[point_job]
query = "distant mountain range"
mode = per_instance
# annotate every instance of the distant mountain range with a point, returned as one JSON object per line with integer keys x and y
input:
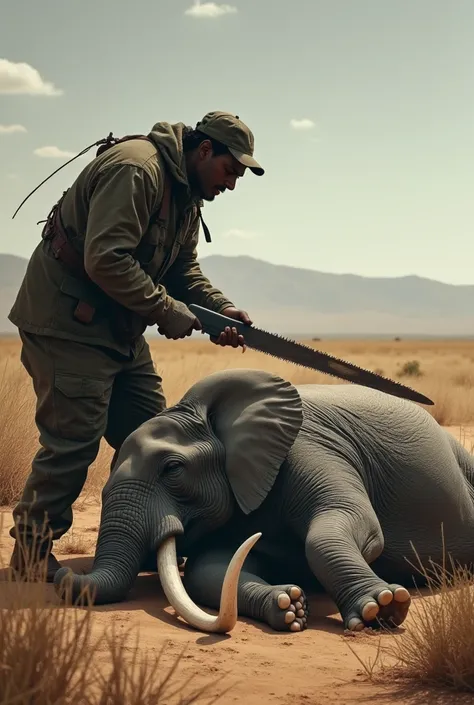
{"x": 305, "y": 302}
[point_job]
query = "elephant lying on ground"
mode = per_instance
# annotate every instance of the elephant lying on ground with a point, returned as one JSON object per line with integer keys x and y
{"x": 339, "y": 480}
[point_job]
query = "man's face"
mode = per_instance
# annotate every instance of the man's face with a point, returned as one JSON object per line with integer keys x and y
{"x": 213, "y": 175}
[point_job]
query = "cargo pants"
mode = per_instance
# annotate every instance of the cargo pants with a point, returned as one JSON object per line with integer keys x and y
{"x": 84, "y": 393}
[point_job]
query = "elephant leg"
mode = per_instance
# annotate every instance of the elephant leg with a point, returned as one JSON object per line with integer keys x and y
{"x": 282, "y": 607}
{"x": 339, "y": 546}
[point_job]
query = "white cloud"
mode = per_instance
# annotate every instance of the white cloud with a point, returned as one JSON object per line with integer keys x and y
{"x": 304, "y": 124}
{"x": 51, "y": 152}
{"x": 209, "y": 9}
{"x": 21, "y": 78}
{"x": 10, "y": 129}
{"x": 240, "y": 234}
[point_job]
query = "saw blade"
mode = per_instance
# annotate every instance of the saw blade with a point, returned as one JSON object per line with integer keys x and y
{"x": 283, "y": 348}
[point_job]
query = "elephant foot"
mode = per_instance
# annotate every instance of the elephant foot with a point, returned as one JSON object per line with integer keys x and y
{"x": 286, "y": 608}
{"x": 387, "y": 607}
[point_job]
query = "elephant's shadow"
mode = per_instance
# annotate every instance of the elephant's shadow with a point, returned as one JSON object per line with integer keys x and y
{"x": 147, "y": 595}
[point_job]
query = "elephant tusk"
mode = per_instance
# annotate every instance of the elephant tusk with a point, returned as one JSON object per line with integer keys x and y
{"x": 179, "y": 599}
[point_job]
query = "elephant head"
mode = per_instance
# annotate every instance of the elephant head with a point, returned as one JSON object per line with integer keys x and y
{"x": 183, "y": 474}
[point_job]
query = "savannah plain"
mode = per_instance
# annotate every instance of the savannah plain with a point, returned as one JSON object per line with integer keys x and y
{"x": 124, "y": 653}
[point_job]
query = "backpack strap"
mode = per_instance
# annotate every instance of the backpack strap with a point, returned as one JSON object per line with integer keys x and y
{"x": 111, "y": 141}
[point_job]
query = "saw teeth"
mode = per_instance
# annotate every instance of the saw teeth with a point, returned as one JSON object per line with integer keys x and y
{"x": 328, "y": 364}
{"x": 333, "y": 363}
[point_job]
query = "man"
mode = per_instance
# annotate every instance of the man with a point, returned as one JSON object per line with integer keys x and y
{"x": 118, "y": 254}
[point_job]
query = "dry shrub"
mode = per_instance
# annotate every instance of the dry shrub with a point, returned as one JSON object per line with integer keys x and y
{"x": 74, "y": 544}
{"x": 51, "y": 654}
{"x": 437, "y": 647}
{"x": 411, "y": 368}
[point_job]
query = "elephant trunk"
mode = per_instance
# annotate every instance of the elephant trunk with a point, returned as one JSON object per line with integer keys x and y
{"x": 122, "y": 545}
{"x": 116, "y": 564}
{"x": 181, "y": 602}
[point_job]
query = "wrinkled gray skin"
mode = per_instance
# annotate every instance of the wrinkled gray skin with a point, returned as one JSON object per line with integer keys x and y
{"x": 338, "y": 478}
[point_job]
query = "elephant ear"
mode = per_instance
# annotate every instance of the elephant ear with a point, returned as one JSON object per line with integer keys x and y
{"x": 257, "y": 416}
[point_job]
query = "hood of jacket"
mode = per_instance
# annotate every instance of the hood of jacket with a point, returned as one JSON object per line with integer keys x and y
{"x": 168, "y": 139}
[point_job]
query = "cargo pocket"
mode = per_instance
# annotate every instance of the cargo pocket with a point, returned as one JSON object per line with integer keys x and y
{"x": 81, "y": 406}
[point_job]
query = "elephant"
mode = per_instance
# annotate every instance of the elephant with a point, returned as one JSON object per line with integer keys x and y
{"x": 257, "y": 481}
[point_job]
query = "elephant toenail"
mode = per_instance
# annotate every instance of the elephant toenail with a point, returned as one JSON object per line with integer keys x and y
{"x": 283, "y": 601}
{"x": 401, "y": 594}
{"x": 385, "y": 597}
{"x": 370, "y": 611}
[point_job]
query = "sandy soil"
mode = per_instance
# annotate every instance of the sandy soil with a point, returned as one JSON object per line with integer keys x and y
{"x": 314, "y": 667}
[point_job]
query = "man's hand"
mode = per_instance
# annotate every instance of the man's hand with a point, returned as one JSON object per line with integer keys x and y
{"x": 229, "y": 336}
{"x": 176, "y": 336}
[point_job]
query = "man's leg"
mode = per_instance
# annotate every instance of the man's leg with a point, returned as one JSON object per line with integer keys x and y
{"x": 137, "y": 396}
{"x": 73, "y": 384}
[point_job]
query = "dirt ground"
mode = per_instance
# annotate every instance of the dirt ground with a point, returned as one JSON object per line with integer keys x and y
{"x": 314, "y": 667}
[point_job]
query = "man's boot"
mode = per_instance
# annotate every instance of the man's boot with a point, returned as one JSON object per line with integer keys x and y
{"x": 34, "y": 563}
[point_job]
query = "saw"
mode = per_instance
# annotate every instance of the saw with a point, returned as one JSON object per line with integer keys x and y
{"x": 214, "y": 323}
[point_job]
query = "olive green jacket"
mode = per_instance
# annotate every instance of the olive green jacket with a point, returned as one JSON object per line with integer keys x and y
{"x": 134, "y": 264}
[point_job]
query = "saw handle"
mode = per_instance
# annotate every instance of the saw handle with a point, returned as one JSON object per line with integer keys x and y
{"x": 215, "y": 323}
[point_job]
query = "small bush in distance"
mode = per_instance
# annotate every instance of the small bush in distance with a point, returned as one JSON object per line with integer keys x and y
{"x": 410, "y": 369}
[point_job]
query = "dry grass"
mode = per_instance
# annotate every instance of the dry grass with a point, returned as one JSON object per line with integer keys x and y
{"x": 437, "y": 646}
{"x": 52, "y": 654}
{"x": 74, "y": 544}
{"x": 47, "y": 651}
{"x": 446, "y": 369}
{"x": 18, "y": 434}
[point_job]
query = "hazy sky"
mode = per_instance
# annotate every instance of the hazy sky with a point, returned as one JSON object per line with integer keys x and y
{"x": 362, "y": 110}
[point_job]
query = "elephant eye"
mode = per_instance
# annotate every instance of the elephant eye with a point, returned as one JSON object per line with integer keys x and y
{"x": 172, "y": 466}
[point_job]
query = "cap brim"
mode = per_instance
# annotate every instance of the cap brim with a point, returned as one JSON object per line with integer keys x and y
{"x": 248, "y": 161}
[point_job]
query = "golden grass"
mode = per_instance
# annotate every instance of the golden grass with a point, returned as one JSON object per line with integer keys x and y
{"x": 51, "y": 653}
{"x": 447, "y": 376}
{"x": 18, "y": 434}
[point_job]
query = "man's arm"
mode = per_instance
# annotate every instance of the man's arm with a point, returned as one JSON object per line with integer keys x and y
{"x": 186, "y": 282}
{"x": 119, "y": 214}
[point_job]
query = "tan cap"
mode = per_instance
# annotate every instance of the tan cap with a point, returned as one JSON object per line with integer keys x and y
{"x": 231, "y": 131}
